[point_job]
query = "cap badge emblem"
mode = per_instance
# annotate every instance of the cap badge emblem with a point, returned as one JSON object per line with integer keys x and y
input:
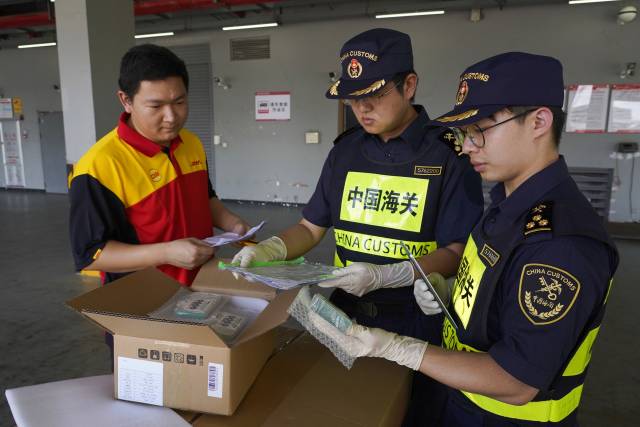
{"x": 463, "y": 90}
{"x": 354, "y": 69}
{"x": 333, "y": 90}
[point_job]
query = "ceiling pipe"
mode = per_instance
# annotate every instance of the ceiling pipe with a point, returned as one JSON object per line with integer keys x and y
{"x": 156, "y": 7}
{"x": 144, "y": 7}
{"x": 26, "y": 20}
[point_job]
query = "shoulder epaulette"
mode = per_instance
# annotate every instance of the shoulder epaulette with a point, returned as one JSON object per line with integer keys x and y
{"x": 345, "y": 133}
{"x": 449, "y": 139}
{"x": 539, "y": 218}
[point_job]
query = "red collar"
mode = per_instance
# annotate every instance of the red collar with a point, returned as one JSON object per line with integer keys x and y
{"x": 139, "y": 142}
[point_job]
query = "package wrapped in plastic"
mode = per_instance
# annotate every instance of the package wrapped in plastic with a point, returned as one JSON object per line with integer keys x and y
{"x": 227, "y": 315}
{"x": 300, "y": 309}
{"x": 330, "y": 313}
{"x": 284, "y": 274}
{"x": 198, "y": 305}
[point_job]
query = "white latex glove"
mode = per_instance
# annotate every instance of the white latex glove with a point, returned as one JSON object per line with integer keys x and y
{"x": 425, "y": 298}
{"x": 360, "y": 278}
{"x": 271, "y": 249}
{"x": 361, "y": 341}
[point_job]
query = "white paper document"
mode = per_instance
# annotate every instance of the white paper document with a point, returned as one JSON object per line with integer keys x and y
{"x": 140, "y": 380}
{"x": 226, "y": 238}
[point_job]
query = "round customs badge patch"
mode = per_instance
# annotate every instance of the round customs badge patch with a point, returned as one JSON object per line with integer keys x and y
{"x": 355, "y": 68}
{"x": 463, "y": 90}
{"x": 546, "y": 293}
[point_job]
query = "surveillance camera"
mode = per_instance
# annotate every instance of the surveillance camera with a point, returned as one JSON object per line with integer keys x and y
{"x": 629, "y": 70}
{"x": 220, "y": 82}
{"x": 627, "y": 14}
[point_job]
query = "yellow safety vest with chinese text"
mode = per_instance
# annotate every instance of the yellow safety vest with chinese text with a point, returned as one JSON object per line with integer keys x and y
{"x": 378, "y": 205}
{"x": 478, "y": 276}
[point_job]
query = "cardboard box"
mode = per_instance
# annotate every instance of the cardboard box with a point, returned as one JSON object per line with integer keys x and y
{"x": 304, "y": 385}
{"x": 180, "y": 364}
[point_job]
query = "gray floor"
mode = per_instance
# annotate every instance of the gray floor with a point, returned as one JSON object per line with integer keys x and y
{"x": 42, "y": 340}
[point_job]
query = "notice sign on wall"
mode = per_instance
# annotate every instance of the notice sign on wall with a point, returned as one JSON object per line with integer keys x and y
{"x": 11, "y": 139}
{"x": 624, "y": 112}
{"x": 273, "y": 106}
{"x": 587, "y": 108}
{"x": 6, "y": 108}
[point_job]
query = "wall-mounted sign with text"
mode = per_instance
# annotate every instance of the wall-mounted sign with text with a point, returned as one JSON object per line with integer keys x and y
{"x": 10, "y": 108}
{"x": 624, "y": 112}
{"x": 273, "y": 106}
{"x": 587, "y": 108}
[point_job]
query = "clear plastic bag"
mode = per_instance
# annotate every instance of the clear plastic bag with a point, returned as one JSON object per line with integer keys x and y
{"x": 300, "y": 308}
{"x": 286, "y": 276}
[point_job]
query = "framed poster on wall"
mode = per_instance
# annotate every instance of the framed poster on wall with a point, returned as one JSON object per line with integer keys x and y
{"x": 624, "y": 109}
{"x": 587, "y": 108}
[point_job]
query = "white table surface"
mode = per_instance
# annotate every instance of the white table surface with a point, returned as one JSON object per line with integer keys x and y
{"x": 84, "y": 402}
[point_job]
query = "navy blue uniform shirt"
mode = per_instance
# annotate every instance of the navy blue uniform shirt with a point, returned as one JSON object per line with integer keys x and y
{"x": 535, "y": 354}
{"x": 460, "y": 204}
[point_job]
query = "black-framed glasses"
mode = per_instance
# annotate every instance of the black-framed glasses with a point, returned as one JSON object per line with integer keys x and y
{"x": 476, "y": 134}
{"x": 374, "y": 99}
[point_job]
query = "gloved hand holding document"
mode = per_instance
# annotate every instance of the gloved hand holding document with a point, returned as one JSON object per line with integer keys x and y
{"x": 226, "y": 238}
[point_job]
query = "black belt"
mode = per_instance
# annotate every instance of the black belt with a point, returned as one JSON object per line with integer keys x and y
{"x": 354, "y": 306}
{"x": 375, "y": 309}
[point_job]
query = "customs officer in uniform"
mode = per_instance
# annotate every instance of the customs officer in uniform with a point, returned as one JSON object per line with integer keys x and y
{"x": 393, "y": 179}
{"x": 532, "y": 286}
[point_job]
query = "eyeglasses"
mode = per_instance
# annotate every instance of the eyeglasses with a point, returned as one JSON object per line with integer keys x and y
{"x": 476, "y": 134}
{"x": 373, "y": 99}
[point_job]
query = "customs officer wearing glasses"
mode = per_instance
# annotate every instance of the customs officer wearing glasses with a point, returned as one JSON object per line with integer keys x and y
{"x": 531, "y": 289}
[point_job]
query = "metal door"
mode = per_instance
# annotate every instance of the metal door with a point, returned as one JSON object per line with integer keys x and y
{"x": 197, "y": 58}
{"x": 54, "y": 159}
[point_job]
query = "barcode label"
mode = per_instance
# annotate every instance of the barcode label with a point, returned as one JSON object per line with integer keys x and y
{"x": 215, "y": 376}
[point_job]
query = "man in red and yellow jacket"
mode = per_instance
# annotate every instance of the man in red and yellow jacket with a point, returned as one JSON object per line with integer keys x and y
{"x": 141, "y": 196}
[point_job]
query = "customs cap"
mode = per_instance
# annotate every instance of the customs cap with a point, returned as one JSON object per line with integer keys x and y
{"x": 506, "y": 80}
{"x": 369, "y": 61}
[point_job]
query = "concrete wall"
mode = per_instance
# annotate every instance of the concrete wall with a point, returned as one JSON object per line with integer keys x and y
{"x": 269, "y": 160}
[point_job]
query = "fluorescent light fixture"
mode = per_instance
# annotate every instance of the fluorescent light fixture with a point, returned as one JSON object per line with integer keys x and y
{"x": 248, "y": 27}
{"x": 27, "y": 46}
{"x": 588, "y": 1}
{"x": 146, "y": 36}
{"x": 405, "y": 15}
